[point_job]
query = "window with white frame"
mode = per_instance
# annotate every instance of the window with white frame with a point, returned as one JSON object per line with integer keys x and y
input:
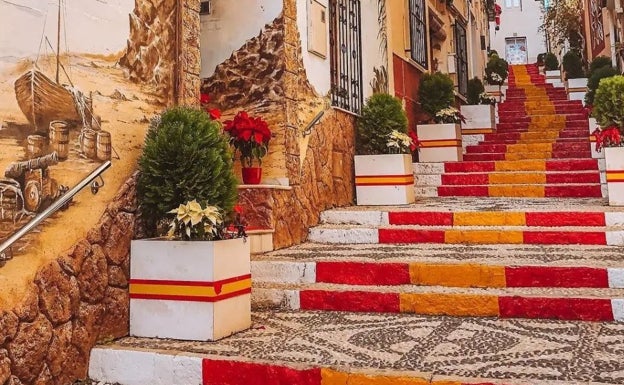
{"x": 513, "y": 3}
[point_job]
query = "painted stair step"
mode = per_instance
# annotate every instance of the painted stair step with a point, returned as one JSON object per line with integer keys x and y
{"x": 521, "y": 178}
{"x": 578, "y": 140}
{"x": 528, "y": 147}
{"x": 422, "y": 273}
{"x": 580, "y": 304}
{"x": 524, "y": 191}
{"x": 522, "y": 165}
{"x": 332, "y": 348}
{"x": 568, "y": 135}
{"x": 475, "y": 157}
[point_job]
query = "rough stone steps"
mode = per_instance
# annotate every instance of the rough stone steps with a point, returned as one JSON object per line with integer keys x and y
{"x": 314, "y": 348}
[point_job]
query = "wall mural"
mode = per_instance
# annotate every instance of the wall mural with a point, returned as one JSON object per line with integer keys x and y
{"x": 67, "y": 104}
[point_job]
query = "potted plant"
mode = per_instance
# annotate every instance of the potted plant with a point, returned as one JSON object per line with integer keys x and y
{"x": 441, "y": 140}
{"x": 496, "y": 73}
{"x": 479, "y": 113}
{"x": 576, "y": 80}
{"x": 608, "y": 110}
{"x": 540, "y": 62}
{"x": 551, "y": 65}
{"x": 383, "y": 163}
{"x": 192, "y": 282}
{"x": 250, "y": 137}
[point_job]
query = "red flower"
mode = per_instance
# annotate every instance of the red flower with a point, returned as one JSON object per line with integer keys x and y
{"x": 204, "y": 99}
{"x": 249, "y": 136}
{"x": 609, "y": 137}
{"x": 238, "y": 209}
{"x": 215, "y": 114}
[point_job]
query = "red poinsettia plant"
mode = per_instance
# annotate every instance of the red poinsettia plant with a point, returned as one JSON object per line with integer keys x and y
{"x": 215, "y": 113}
{"x": 250, "y": 137}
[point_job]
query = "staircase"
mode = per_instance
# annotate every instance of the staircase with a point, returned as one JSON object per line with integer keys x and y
{"x": 510, "y": 273}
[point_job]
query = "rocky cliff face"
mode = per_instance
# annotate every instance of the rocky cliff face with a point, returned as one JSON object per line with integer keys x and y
{"x": 150, "y": 55}
{"x": 253, "y": 74}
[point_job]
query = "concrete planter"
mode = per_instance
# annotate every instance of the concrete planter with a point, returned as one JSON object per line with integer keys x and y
{"x": 553, "y": 77}
{"x": 440, "y": 142}
{"x": 198, "y": 290}
{"x": 576, "y": 88}
{"x": 386, "y": 179}
{"x": 614, "y": 159}
{"x": 480, "y": 119}
{"x": 592, "y": 140}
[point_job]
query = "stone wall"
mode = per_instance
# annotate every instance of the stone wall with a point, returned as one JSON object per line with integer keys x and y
{"x": 75, "y": 301}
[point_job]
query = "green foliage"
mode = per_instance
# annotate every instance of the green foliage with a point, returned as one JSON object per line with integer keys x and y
{"x": 594, "y": 80}
{"x": 608, "y": 102}
{"x": 381, "y": 115}
{"x": 599, "y": 62}
{"x": 496, "y": 70}
{"x": 435, "y": 92}
{"x": 563, "y": 23}
{"x": 492, "y": 53}
{"x": 540, "y": 59}
{"x": 551, "y": 63}
{"x": 186, "y": 157}
{"x": 475, "y": 89}
{"x": 573, "y": 65}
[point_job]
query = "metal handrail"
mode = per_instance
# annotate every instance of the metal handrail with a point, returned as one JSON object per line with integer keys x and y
{"x": 54, "y": 207}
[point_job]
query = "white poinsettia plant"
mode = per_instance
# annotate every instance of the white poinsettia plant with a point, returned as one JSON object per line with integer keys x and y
{"x": 399, "y": 143}
{"x": 495, "y": 79}
{"x": 449, "y": 115}
{"x": 194, "y": 222}
{"x": 485, "y": 98}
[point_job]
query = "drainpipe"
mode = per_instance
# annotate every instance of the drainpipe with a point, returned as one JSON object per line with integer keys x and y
{"x": 469, "y": 38}
{"x": 611, "y": 19}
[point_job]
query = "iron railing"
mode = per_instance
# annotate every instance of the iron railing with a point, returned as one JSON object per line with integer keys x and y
{"x": 461, "y": 58}
{"x": 418, "y": 32}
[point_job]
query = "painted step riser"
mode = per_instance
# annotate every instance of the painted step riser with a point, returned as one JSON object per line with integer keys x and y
{"x": 480, "y": 179}
{"x": 533, "y": 155}
{"x": 501, "y": 141}
{"x": 532, "y": 147}
{"x": 523, "y": 191}
{"x": 549, "y": 165}
{"x": 580, "y": 135}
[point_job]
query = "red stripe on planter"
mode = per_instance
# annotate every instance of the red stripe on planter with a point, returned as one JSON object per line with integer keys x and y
{"x": 583, "y": 309}
{"x": 190, "y": 298}
{"x": 363, "y": 273}
{"x": 355, "y": 301}
{"x": 410, "y": 236}
{"x": 564, "y": 238}
{"x": 221, "y": 372}
{"x": 538, "y": 276}
{"x": 422, "y": 218}
{"x": 552, "y": 219}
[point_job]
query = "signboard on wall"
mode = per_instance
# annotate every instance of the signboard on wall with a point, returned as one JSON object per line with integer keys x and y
{"x": 596, "y": 27}
{"x": 317, "y": 28}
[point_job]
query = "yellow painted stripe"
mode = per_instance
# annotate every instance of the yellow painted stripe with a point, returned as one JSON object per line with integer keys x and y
{"x": 489, "y": 218}
{"x": 189, "y": 291}
{"x": 457, "y": 275}
{"x": 440, "y": 143}
{"x": 543, "y": 135}
{"x": 481, "y": 237}
{"x": 379, "y": 179}
{"x": 334, "y": 377}
{"x": 477, "y": 131}
{"x": 578, "y": 89}
{"x": 517, "y": 178}
{"x": 529, "y": 147}
{"x": 450, "y": 304}
{"x": 523, "y": 155}
{"x": 516, "y": 191}
{"x": 527, "y": 165}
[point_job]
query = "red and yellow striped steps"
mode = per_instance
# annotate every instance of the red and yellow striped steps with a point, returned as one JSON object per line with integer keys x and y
{"x": 523, "y": 191}
{"x": 520, "y": 178}
{"x": 477, "y": 157}
{"x": 552, "y": 165}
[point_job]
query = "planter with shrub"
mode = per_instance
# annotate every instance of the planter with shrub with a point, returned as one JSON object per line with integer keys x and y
{"x": 496, "y": 73}
{"x": 383, "y": 163}
{"x": 551, "y": 66}
{"x": 193, "y": 282}
{"x": 540, "y": 62}
{"x": 608, "y": 110}
{"x": 440, "y": 141}
{"x": 576, "y": 80}
{"x": 479, "y": 113}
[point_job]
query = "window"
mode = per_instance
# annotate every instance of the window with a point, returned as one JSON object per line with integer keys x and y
{"x": 418, "y": 32}
{"x": 513, "y": 3}
{"x": 461, "y": 58}
{"x": 346, "y": 54}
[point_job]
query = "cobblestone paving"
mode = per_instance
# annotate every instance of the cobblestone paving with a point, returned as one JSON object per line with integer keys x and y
{"x": 465, "y": 347}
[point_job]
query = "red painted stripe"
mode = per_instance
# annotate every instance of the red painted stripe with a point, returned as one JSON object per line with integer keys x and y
{"x": 410, "y": 236}
{"x": 571, "y": 165}
{"x": 188, "y": 283}
{"x": 554, "y": 219}
{"x": 363, "y": 273}
{"x": 540, "y": 276}
{"x": 426, "y": 218}
{"x": 466, "y": 191}
{"x": 190, "y": 298}
{"x": 586, "y": 177}
{"x": 568, "y": 191}
{"x": 469, "y": 167}
{"x": 355, "y": 301}
{"x": 222, "y": 372}
{"x": 465, "y": 179}
{"x": 385, "y": 183}
{"x": 565, "y": 238}
{"x": 583, "y": 309}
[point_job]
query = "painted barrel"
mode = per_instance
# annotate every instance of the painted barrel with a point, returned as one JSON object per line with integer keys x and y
{"x": 35, "y": 145}
{"x": 103, "y": 145}
{"x": 59, "y": 138}
{"x": 87, "y": 143}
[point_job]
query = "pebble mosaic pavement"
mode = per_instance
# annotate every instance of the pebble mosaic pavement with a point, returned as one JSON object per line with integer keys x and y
{"x": 544, "y": 350}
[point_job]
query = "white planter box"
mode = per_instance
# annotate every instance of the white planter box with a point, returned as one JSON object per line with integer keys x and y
{"x": 576, "y": 88}
{"x": 197, "y": 290}
{"x": 480, "y": 119}
{"x": 553, "y": 76}
{"x": 386, "y": 179}
{"x": 614, "y": 159}
{"x": 439, "y": 142}
{"x": 592, "y": 140}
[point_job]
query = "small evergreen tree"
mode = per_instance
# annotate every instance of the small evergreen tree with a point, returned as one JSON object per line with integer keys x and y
{"x": 435, "y": 92}
{"x": 594, "y": 80}
{"x": 551, "y": 63}
{"x": 381, "y": 115}
{"x": 608, "y": 102}
{"x": 475, "y": 89}
{"x": 496, "y": 70}
{"x": 599, "y": 62}
{"x": 572, "y": 65}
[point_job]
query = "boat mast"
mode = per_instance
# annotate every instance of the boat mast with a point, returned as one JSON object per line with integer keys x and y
{"x": 58, "y": 43}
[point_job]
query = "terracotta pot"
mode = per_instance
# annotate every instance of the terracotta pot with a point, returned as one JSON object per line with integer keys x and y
{"x": 252, "y": 175}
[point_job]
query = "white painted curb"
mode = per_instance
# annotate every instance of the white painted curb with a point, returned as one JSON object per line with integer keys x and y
{"x": 616, "y": 278}
{"x": 283, "y": 272}
{"x": 343, "y": 236}
{"x": 352, "y": 217}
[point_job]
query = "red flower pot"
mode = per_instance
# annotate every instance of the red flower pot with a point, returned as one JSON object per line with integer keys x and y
{"x": 252, "y": 175}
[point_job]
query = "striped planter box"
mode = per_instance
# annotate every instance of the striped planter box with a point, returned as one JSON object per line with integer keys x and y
{"x": 384, "y": 179}
{"x": 199, "y": 290}
{"x": 576, "y": 89}
{"x": 553, "y": 76}
{"x": 440, "y": 143}
{"x": 614, "y": 158}
{"x": 480, "y": 119}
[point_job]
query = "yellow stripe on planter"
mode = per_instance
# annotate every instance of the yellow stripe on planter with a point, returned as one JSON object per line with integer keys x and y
{"x": 525, "y": 165}
{"x": 516, "y": 191}
{"x": 184, "y": 290}
{"x": 615, "y": 176}
{"x": 440, "y": 143}
{"x": 480, "y": 237}
{"x": 379, "y": 180}
{"x": 457, "y": 275}
{"x": 517, "y": 178}
{"x": 477, "y": 131}
{"x": 489, "y": 218}
{"x": 450, "y": 304}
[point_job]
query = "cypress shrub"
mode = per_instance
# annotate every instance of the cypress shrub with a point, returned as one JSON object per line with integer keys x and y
{"x": 475, "y": 89}
{"x": 594, "y": 80}
{"x": 608, "y": 102}
{"x": 381, "y": 114}
{"x": 572, "y": 65}
{"x": 551, "y": 63}
{"x": 435, "y": 92}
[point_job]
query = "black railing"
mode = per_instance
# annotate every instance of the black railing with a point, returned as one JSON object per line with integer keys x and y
{"x": 346, "y": 54}
{"x": 461, "y": 58}
{"x": 418, "y": 32}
